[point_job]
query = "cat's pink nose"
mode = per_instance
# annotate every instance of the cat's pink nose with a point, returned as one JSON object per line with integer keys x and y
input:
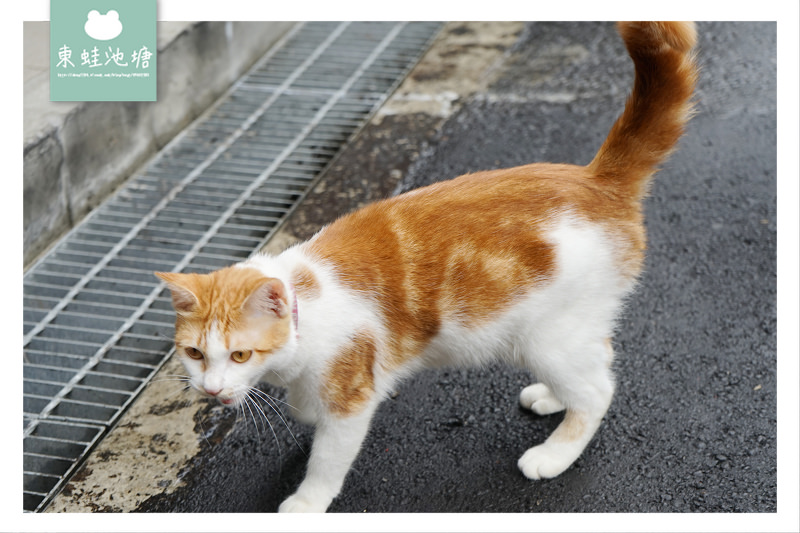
{"x": 212, "y": 392}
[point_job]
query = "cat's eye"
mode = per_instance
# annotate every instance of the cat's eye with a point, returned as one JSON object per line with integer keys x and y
{"x": 193, "y": 353}
{"x": 240, "y": 356}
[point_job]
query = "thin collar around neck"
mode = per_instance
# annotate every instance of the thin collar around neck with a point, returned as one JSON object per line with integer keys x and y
{"x": 295, "y": 316}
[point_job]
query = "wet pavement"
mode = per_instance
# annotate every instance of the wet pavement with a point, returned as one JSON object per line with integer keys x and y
{"x": 693, "y": 426}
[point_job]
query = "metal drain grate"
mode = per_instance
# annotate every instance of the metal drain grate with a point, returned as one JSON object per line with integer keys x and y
{"x": 97, "y": 324}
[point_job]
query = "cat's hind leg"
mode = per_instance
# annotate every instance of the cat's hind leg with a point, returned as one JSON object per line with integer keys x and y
{"x": 540, "y": 400}
{"x": 580, "y": 384}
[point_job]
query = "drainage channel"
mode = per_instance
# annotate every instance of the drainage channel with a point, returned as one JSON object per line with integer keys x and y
{"x": 97, "y": 324}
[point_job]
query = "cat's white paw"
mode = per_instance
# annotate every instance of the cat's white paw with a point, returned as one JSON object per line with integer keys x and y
{"x": 545, "y": 461}
{"x": 298, "y": 504}
{"x": 540, "y": 400}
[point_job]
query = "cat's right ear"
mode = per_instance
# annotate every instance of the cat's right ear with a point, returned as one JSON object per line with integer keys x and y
{"x": 183, "y": 300}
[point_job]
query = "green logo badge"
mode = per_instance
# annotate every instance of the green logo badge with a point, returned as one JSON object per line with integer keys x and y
{"x": 103, "y": 50}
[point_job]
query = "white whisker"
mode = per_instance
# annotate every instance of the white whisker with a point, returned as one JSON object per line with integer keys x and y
{"x": 258, "y": 410}
{"x": 274, "y": 399}
{"x": 176, "y": 392}
{"x": 269, "y": 400}
{"x": 266, "y": 419}
{"x": 171, "y": 377}
{"x": 240, "y": 407}
{"x": 280, "y": 378}
{"x": 252, "y": 416}
{"x": 204, "y": 433}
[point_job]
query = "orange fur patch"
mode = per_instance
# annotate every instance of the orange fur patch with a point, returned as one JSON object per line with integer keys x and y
{"x": 610, "y": 350}
{"x": 350, "y": 381}
{"x": 305, "y": 283}
{"x": 571, "y": 428}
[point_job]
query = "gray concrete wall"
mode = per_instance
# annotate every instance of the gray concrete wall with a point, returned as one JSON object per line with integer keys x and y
{"x": 76, "y": 153}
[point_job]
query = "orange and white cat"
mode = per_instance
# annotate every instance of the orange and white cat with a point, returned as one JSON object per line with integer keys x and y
{"x": 527, "y": 265}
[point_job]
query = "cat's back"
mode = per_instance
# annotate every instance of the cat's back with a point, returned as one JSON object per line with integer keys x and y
{"x": 506, "y": 211}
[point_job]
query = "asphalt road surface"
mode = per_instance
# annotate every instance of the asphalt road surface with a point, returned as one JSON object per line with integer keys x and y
{"x": 693, "y": 424}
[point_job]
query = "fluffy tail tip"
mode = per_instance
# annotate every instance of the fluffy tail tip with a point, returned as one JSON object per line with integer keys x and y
{"x": 682, "y": 36}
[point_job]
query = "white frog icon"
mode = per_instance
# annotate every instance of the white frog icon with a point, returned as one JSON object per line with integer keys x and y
{"x": 103, "y": 27}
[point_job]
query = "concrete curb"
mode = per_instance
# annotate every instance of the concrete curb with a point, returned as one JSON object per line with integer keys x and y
{"x": 76, "y": 153}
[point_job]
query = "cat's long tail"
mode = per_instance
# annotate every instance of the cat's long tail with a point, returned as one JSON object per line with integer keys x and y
{"x": 657, "y": 109}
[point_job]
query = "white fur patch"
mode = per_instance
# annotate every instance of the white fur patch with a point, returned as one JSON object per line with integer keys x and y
{"x": 216, "y": 360}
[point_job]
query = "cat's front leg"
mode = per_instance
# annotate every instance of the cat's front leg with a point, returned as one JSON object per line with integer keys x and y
{"x": 337, "y": 440}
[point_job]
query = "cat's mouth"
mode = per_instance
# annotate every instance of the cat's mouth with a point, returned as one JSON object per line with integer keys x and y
{"x": 224, "y": 400}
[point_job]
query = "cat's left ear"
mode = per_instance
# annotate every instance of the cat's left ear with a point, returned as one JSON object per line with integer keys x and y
{"x": 269, "y": 298}
{"x": 183, "y": 300}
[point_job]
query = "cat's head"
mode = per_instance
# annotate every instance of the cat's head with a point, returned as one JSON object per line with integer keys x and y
{"x": 232, "y": 326}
